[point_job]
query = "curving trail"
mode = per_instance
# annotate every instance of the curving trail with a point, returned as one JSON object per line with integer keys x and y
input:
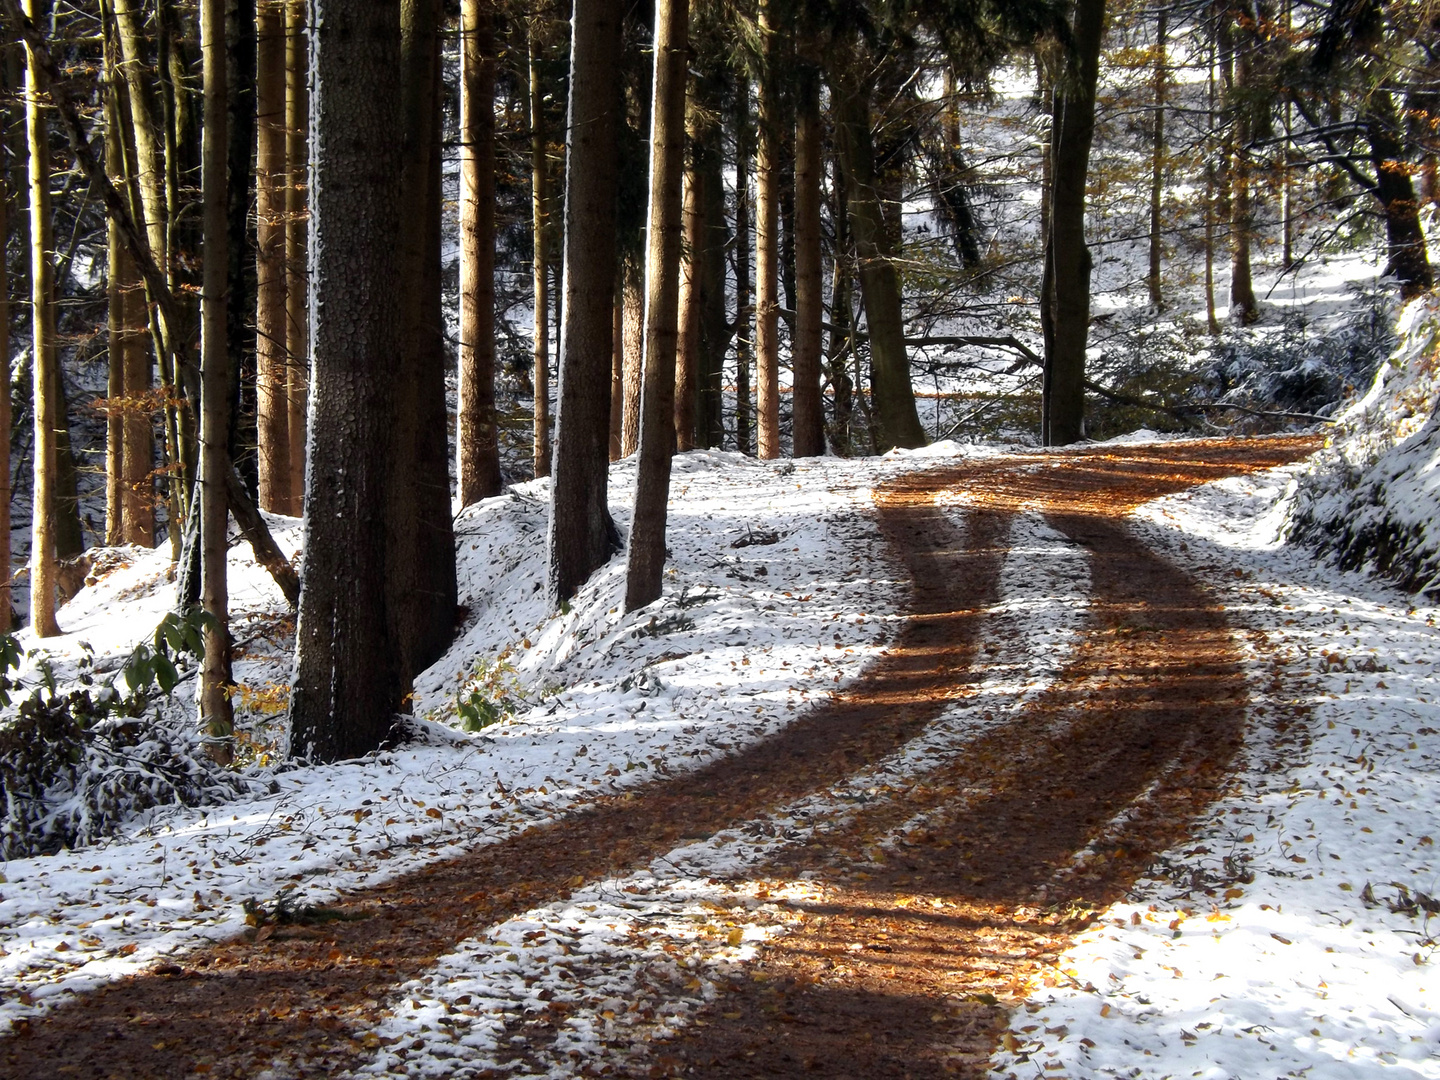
{"x": 1135, "y": 737}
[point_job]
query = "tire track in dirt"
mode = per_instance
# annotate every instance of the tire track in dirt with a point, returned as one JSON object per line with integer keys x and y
{"x": 910, "y": 967}
{"x": 301, "y": 1001}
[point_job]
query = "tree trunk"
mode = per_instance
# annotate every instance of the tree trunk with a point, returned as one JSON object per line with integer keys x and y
{"x": 617, "y": 370}
{"x": 119, "y": 278}
{"x": 715, "y": 329}
{"x": 687, "y": 349}
{"x": 42, "y": 542}
{"x": 1212, "y": 324}
{"x": 744, "y": 339}
{"x": 420, "y": 554}
{"x": 1066, "y": 296}
{"x": 809, "y": 419}
{"x": 1244, "y": 308}
{"x": 767, "y": 245}
{"x": 477, "y": 442}
{"x": 539, "y": 216}
{"x": 7, "y": 620}
{"x": 632, "y": 278}
{"x": 216, "y": 715}
{"x": 581, "y": 532}
{"x": 897, "y": 422}
{"x": 1408, "y": 262}
{"x": 1157, "y": 161}
{"x": 297, "y": 229}
{"x": 272, "y": 392}
{"x": 347, "y": 680}
{"x": 646, "y": 557}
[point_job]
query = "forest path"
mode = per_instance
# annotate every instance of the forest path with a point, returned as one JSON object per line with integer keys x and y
{"x": 884, "y": 975}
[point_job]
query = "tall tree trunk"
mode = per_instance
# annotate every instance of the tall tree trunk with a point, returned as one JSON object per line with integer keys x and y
{"x": 420, "y": 576}
{"x": 767, "y": 245}
{"x": 155, "y": 174}
{"x": 1157, "y": 160}
{"x": 215, "y": 709}
{"x": 6, "y": 598}
{"x": 1212, "y": 323}
{"x": 118, "y": 278}
{"x": 42, "y": 540}
{"x": 242, "y": 301}
{"x": 581, "y": 533}
{"x": 272, "y": 392}
{"x": 539, "y": 217}
{"x": 715, "y": 329}
{"x": 809, "y": 419}
{"x": 1243, "y": 305}
{"x": 347, "y": 679}
{"x": 896, "y": 419}
{"x": 687, "y": 348}
{"x": 1408, "y": 262}
{"x": 646, "y": 557}
{"x": 477, "y": 442}
{"x": 744, "y": 337}
{"x": 632, "y": 280}
{"x": 1066, "y": 296}
{"x": 297, "y": 229}
{"x": 617, "y": 370}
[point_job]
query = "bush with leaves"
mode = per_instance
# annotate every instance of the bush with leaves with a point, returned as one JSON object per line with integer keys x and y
{"x": 76, "y": 762}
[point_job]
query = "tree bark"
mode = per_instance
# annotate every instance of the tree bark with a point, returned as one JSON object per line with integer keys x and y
{"x": 744, "y": 312}
{"x": 7, "y": 619}
{"x": 347, "y": 679}
{"x": 646, "y": 557}
{"x": 119, "y": 272}
{"x": 297, "y": 289}
{"x": 632, "y": 282}
{"x": 1409, "y": 262}
{"x": 767, "y": 244}
{"x": 1244, "y": 307}
{"x": 715, "y": 328}
{"x": 809, "y": 419}
{"x": 539, "y": 216}
{"x": 477, "y": 442}
{"x": 617, "y": 370}
{"x": 1157, "y": 161}
{"x": 687, "y": 348}
{"x": 1066, "y": 292}
{"x": 581, "y": 532}
{"x": 896, "y": 420}
{"x": 42, "y": 540}
{"x": 216, "y": 714}
{"x": 272, "y": 392}
{"x": 420, "y": 577}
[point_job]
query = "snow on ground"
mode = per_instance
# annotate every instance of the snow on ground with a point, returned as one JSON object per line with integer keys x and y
{"x": 1290, "y": 936}
{"x": 780, "y": 590}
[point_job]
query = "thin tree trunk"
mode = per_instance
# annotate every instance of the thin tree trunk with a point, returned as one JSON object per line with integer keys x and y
{"x": 897, "y": 421}
{"x": 617, "y": 371}
{"x": 581, "y": 533}
{"x": 539, "y": 216}
{"x": 119, "y": 273}
{"x": 767, "y": 245}
{"x": 1243, "y": 305}
{"x": 297, "y": 229}
{"x": 715, "y": 329}
{"x": 809, "y": 419}
{"x": 687, "y": 349}
{"x": 272, "y": 396}
{"x": 744, "y": 336}
{"x": 215, "y": 708}
{"x": 42, "y": 542}
{"x": 632, "y": 279}
{"x": 1157, "y": 160}
{"x": 1212, "y": 323}
{"x": 7, "y": 619}
{"x": 347, "y": 679}
{"x": 646, "y": 557}
{"x": 477, "y": 444}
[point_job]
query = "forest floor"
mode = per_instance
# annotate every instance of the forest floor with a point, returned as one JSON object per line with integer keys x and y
{"x": 958, "y": 862}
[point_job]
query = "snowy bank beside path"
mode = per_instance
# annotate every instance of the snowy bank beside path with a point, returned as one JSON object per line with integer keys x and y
{"x": 1295, "y": 934}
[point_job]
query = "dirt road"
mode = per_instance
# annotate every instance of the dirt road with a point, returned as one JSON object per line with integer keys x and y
{"x": 906, "y": 971}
